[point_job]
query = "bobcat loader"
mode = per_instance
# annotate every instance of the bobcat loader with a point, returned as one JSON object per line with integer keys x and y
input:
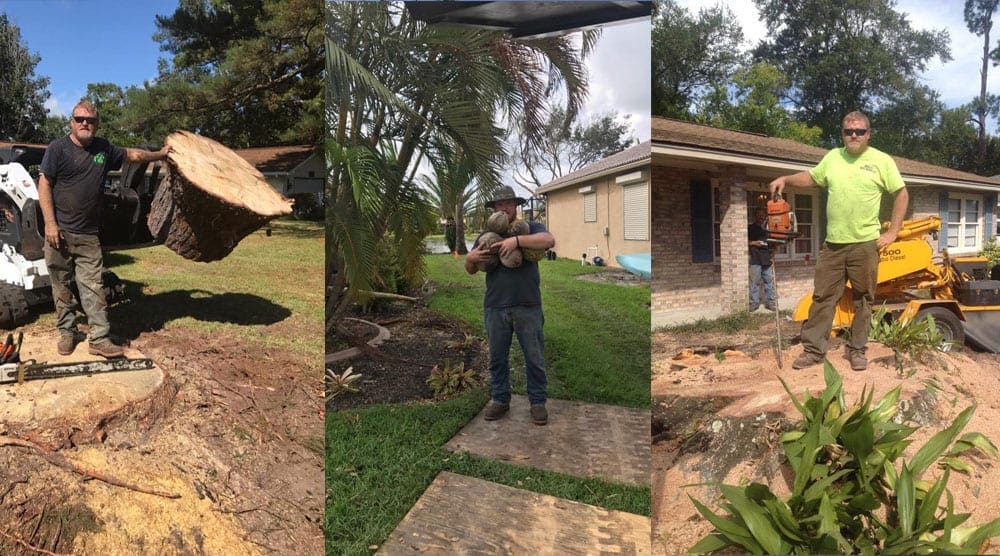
{"x": 24, "y": 278}
{"x": 956, "y": 292}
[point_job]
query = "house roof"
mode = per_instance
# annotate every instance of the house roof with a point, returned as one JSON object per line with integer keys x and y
{"x": 276, "y": 159}
{"x": 636, "y": 155}
{"x": 668, "y": 132}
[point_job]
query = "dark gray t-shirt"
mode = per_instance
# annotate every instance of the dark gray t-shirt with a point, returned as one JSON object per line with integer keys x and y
{"x": 76, "y": 174}
{"x": 509, "y": 287}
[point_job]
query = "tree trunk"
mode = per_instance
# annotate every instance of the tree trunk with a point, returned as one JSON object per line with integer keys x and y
{"x": 210, "y": 199}
{"x": 460, "y": 229}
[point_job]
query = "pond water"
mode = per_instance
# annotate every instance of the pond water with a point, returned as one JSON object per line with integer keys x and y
{"x": 439, "y": 245}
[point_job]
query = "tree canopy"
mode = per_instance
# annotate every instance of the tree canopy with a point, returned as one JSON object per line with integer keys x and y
{"x": 22, "y": 93}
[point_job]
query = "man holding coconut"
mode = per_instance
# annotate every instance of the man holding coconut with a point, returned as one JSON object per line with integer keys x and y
{"x": 513, "y": 305}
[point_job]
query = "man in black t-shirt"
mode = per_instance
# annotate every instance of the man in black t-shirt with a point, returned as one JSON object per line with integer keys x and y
{"x": 513, "y": 305}
{"x": 761, "y": 270}
{"x": 69, "y": 192}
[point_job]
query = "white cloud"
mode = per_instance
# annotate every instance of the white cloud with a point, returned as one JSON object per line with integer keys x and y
{"x": 619, "y": 74}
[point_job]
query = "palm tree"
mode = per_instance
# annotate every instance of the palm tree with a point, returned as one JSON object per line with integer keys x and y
{"x": 396, "y": 84}
{"x": 453, "y": 188}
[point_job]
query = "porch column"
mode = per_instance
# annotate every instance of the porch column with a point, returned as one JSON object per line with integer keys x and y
{"x": 733, "y": 241}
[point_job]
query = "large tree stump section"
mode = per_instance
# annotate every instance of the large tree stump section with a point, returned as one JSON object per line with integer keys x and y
{"x": 64, "y": 412}
{"x": 464, "y": 515}
{"x": 210, "y": 199}
{"x": 581, "y": 439}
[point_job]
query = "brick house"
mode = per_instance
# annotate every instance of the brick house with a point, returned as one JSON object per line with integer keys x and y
{"x": 706, "y": 182}
{"x": 602, "y": 209}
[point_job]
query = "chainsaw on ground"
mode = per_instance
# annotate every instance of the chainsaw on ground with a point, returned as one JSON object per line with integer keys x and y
{"x": 31, "y": 370}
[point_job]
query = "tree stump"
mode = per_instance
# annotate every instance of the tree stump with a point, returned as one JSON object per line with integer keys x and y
{"x": 210, "y": 199}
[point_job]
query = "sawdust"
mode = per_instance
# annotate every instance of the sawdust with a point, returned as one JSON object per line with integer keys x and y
{"x": 933, "y": 394}
{"x": 239, "y": 438}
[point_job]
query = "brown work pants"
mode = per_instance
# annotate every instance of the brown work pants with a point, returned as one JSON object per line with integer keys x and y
{"x": 857, "y": 262}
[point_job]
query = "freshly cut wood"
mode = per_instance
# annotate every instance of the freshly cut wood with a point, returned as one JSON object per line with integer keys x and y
{"x": 210, "y": 199}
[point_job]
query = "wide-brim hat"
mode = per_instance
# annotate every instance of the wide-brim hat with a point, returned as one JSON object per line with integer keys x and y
{"x": 505, "y": 193}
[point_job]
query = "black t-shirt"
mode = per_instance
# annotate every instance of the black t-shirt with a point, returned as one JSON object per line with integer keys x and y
{"x": 510, "y": 287}
{"x": 76, "y": 174}
{"x": 758, "y": 255}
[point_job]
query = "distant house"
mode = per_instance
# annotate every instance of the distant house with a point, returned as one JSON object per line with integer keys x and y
{"x": 290, "y": 170}
{"x": 602, "y": 209}
{"x": 706, "y": 182}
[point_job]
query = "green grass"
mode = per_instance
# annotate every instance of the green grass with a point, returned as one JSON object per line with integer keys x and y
{"x": 728, "y": 324}
{"x": 268, "y": 291}
{"x": 381, "y": 459}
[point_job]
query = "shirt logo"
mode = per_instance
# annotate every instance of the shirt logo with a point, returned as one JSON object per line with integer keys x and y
{"x": 99, "y": 158}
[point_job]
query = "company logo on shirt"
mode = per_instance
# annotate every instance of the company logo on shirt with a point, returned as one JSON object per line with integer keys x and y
{"x": 99, "y": 158}
{"x": 870, "y": 168}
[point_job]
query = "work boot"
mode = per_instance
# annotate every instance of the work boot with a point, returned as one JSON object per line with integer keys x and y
{"x": 495, "y": 410}
{"x": 858, "y": 360}
{"x": 105, "y": 348}
{"x": 539, "y": 415}
{"x": 771, "y": 308}
{"x": 66, "y": 345}
{"x": 807, "y": 359}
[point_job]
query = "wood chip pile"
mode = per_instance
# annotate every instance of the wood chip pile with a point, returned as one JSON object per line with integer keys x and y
{"x": 210, "y": 199}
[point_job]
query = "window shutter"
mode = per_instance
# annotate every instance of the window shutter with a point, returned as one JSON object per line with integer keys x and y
{"x": 943, "y": 213}
{"x": 590, "y": 207}
{"x": 989, "y": 208}
{"x": 636, "y": 201}
{"x": 702, "y": 242}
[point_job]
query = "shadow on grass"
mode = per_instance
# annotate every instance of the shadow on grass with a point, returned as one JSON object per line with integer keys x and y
{"x": 151, "y": 312}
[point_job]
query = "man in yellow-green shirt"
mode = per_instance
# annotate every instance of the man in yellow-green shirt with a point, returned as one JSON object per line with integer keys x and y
{"x": 855, "y": 177}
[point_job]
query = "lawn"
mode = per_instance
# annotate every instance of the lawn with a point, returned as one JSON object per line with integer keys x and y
{"x": 267, "y": 279}
{"x": 381, "y": 459}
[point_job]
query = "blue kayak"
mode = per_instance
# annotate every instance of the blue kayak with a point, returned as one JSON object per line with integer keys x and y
{"x": 639, "y": 264}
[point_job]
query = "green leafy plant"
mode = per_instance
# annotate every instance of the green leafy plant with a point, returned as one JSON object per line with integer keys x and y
{"x": 991, "y": 250}
{"x": 448, "y": 380}
{"x": 917, "y": 338}
{"x": 337, "y": 384}
{"x": 848, "y": 495}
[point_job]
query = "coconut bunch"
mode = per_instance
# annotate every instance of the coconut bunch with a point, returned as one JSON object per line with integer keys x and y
{"x": 498, "y": 228}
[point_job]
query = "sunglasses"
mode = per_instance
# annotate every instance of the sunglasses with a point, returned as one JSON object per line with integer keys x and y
{"x": 81, "y": 119}
{"x": 855, "y": 132}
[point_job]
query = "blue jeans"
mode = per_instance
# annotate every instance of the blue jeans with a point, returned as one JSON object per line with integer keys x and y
{"x": 501, "y": 325}
{"x": 760, "y": 274}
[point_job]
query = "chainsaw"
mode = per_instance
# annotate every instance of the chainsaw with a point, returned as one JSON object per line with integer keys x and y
{"x": 30, "y": 370}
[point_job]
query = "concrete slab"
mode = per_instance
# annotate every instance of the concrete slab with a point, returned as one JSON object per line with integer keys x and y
{"x": 53, "y": 410}
{"x": 463, "y": 515}
{"x": 581, "y": 439}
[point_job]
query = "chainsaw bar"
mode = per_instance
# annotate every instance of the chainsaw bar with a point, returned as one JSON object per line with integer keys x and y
{"x": 29, "y": 370}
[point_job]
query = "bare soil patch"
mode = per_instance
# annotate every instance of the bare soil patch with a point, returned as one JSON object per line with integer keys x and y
{"x": 397, "y": 370}
{"x": 239, "y": 439}
{"x": 718, "y": 416}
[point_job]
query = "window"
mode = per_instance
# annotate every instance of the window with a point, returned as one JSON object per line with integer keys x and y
{"x": 590, "y": 207}
{"x": 965, "y": 221}
{"x": 636, "y": 218}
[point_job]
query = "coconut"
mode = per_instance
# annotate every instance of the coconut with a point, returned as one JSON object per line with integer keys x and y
{"x": 518, "y": 228}
{"x": 513, "y": 259}
{"x": 487, "y": 240}
{"x": 498, "y": 222}
{"x": 534, "y": 255}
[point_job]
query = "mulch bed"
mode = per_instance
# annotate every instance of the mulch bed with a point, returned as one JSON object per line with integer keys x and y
{"x": 397, "y": 370}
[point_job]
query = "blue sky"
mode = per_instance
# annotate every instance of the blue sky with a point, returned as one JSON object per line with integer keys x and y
{"x": 89, "y": 41}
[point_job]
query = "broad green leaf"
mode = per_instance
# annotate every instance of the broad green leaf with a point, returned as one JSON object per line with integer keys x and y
{"x": 783, "y": 518}
{"x": 975, "y": 538}
{"x": 816, "y": 489}
{"x": 929, "y": 505}
{"x": 730, "y": 528}
{"x": 934, "y": 447}
{"x": 887, "y": 407}
{"x": 805, "y": 413}
{"x": 710, "y": 543}
{"x": 803, "y": 471}
{"x": 977, "y": 440}
{"x": 956, "y": 464}
{"x": 865, "y": 501}
{"x": 906, "y": 501}
{"x": 756, "y": 520}
{"x": 830, "y": 526}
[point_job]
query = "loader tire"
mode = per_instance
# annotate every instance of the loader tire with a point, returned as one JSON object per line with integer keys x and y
{"x": 13, "y": 307}
{"x": 947, "y": 323}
